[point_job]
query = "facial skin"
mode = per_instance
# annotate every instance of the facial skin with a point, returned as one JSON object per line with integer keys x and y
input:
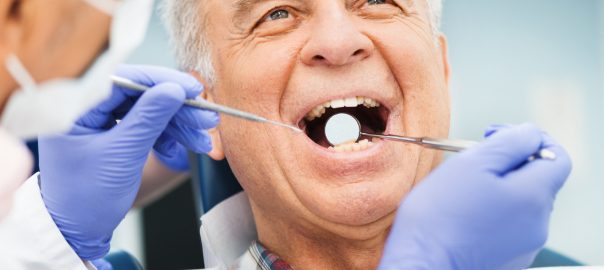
{"x": 58, "y": 38}
{"x": 315, "y": 208}
{"x": 52, "y": 38}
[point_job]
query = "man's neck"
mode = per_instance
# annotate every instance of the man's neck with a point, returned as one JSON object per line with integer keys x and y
{"x": 305, "y": 249}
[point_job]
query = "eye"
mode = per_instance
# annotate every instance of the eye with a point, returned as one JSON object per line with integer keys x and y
{"x": 277, "y": 15}
{"x": 376, "y": 2}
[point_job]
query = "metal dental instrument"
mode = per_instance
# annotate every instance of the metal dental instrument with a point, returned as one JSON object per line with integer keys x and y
{"x": 206, "y": 105}
{"x": 352, "y": 132}
{"x": 432, "y": 143}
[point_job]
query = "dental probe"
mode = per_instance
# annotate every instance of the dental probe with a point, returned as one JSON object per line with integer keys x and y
{"x": 451, "y": 145}
{"x": 350, "y": 130}
{"x": 206, "y": 105}
{"x": 433, "y": 143}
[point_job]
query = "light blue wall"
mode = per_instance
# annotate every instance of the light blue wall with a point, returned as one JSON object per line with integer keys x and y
{"x": 538, "y": 61}
{"x": 155, "y": 50}
{"x": 515, "y": 61}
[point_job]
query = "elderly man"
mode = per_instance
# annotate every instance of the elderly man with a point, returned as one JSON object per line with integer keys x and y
{"x": 322, "y": 207}
{"x": 316, "y": 206}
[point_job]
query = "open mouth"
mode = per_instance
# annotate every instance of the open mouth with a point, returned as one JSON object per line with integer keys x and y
{"x": 372, "y": 117}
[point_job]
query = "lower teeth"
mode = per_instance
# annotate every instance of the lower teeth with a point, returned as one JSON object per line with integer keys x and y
{"x": 352, "y": 146}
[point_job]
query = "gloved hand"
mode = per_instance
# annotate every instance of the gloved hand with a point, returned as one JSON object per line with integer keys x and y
{"x": 89, "y": 178}
{"x": 485, "y": 208}
{"x": 102, "y": 264}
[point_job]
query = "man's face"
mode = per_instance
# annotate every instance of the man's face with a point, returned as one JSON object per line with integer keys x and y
{"x": 283, "y": 58}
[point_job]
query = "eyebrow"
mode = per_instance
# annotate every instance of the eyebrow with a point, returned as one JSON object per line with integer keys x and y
{"x": 242, "y": 6}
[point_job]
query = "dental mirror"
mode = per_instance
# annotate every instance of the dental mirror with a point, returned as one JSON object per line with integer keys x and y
{"x": 342, "y": 128}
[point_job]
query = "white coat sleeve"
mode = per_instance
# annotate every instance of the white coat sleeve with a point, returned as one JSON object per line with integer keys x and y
{"x": 29, "y": 238}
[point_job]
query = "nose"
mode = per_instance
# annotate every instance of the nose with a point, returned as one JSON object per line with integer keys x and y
{"x": 336, "y": 41}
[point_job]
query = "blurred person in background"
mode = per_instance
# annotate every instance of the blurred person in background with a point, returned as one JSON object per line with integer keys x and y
{"x": 56, "y": 58}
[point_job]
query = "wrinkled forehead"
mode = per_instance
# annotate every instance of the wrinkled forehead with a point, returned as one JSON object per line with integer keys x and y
{"x": 247, "y": 4}
{"x": 237, "y": 11}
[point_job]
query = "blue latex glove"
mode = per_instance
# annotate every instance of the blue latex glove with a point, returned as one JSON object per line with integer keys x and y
{"x": 90, "y": 177}
{"x": 102, "y": 264}
{"x": 485, "y": 208}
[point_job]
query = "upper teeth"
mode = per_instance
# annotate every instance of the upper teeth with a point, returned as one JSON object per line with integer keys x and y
{"x": 340, "y": 103}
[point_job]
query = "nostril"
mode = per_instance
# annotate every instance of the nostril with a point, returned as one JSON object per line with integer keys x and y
{"x": 358, "y": 52}
{"x": 318, "y": 58}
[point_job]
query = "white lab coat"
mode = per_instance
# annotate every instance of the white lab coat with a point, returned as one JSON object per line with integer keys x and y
{"x": 29, "y": 238}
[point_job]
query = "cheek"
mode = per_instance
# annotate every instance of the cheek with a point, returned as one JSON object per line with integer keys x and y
{"x": 257, "y": 75}
{"x": 418, "y": 70}
{"x": 253, "y": 78}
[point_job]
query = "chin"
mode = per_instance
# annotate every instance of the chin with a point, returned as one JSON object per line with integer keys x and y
{"x": 359, "y": 203}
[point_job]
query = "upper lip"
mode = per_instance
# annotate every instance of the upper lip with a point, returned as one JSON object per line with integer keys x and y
{"x": 388, "y": 103}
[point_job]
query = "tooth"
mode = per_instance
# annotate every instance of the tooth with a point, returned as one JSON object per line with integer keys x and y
{"x": 364, "y": 142}
{"x": 360, "y": 146}
{"x": 360, "y": 100}
{"x": 350, "y": 102}
{"x": 347, "y": 147}
{"x": 337, "y": 103}
{"x": 326, "y": 104}
{"x": 368, "y": 102}
{"x": 356, "y": 147}
{"x": 316, "y": 114}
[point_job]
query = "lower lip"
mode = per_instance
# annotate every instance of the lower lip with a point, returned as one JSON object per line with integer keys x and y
{"x": 327, "y": 153}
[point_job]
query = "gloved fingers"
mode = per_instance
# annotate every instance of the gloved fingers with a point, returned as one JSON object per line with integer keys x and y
{"x": 196, "y": 118}
{"x": 122, "y": 110}
{"x": 506, "y": 149}
{"x": 99, "y": 117}
{"x": 146, "y": 75}
{"x": 492, "y": 129}
{"x": 150, "y": 116}
{"x": 102, "y": 264}
{"x": 544, "y": 173}
{"x": 152, "y": 75}
{"x": 189, "y": 116}
{"x": 171, "y": 153}
{"x": 165, "y": 145}
{"x": 195, "y": 140}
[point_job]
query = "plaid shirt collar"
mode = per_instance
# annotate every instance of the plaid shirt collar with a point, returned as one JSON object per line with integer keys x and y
{"x": 266, "y": 259}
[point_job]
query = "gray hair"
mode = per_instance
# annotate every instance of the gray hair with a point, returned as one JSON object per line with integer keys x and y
{"x": 191, "y": 48}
